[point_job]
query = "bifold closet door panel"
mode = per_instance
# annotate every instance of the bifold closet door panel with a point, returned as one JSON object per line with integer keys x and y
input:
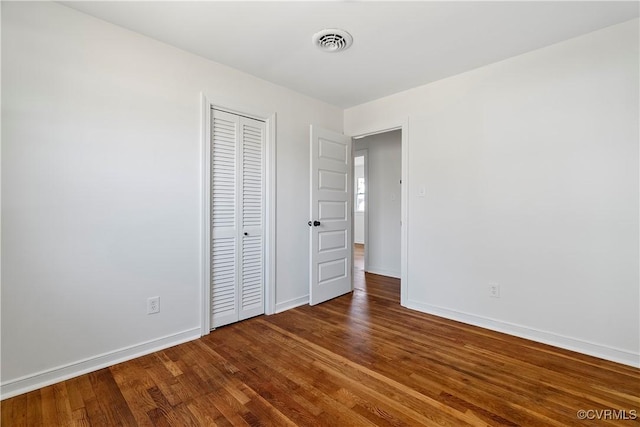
{"x": 237, "y": 217}
{"x": 224, "y": 217}
{"x": 253, "y": 165}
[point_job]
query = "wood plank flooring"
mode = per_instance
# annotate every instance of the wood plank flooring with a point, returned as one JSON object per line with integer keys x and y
{"x": 358, "y": 360}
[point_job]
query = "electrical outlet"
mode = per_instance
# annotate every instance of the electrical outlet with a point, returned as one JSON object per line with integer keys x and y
{"x": 153, "y": 305}
{"x": 494, "y": 290}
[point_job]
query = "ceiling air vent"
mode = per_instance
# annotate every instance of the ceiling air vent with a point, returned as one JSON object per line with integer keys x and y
{"x": 332, "y": 40}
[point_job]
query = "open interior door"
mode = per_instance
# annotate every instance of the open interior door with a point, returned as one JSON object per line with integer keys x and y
{"x": 330, "y": 218}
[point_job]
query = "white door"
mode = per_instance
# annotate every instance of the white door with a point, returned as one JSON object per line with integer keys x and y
{"x": 237, "y": 217}
{"x": 330, "y": 218}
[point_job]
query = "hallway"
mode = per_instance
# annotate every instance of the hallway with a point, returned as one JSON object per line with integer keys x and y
{"x": 374, "y": 285}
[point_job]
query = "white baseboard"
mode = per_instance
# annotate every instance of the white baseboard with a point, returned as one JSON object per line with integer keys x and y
{"x": 383, "y": 272}
{"x": 574, "y": 344}
{"x": 292, "y": 303}
{"x": 61, "y": 373}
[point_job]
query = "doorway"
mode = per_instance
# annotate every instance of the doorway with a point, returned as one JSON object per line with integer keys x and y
{"x": 377, "y": 188}
{"x": 335, "y": 146}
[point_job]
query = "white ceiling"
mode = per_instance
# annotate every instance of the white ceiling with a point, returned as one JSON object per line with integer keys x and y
{"x": 397, "y": 45}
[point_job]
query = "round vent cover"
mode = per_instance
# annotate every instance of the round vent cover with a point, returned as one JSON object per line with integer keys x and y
{"x": 332, "y": 40}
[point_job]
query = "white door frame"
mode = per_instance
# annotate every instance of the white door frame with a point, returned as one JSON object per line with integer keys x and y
{"x": 403, "y": 126}
{"x": 270, "y": 205}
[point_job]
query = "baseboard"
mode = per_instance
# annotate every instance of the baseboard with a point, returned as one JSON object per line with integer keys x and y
{"x": 292, "y": 303}
{"x": 383, "y": 272}
{"x": 592, "y": 349}
{"x": 51, "y": 376}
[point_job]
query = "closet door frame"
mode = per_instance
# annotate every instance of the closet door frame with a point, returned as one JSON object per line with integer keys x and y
{"x": 207, "y": 104}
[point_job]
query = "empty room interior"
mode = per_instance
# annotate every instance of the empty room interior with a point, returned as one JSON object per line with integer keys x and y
{"x": 320, "y": 213}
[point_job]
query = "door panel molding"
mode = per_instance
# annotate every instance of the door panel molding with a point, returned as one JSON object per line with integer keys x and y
{"x": 331, "y": 237}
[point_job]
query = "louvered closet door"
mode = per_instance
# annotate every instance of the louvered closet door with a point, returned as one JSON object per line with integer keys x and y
{"x": 252, "y": 206}
{"x": 224, "y": 230}
{"x": 237, "y": 218}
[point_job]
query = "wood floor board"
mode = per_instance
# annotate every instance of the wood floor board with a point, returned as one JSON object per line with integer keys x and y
{"x": 116, "y": 409}
{"x": 33, "y": 412}
{"x": 49, "y": 412}
{"x": 357, "y": 360}
{"x": 63, "y": 407}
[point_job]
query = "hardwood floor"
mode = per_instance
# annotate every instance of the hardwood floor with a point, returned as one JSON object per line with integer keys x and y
{"x": 358, "y": 360}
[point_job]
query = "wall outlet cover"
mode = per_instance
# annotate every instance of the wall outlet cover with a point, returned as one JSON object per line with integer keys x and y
{"x": 494, "y": 290}
{"x": 153, "y": 305}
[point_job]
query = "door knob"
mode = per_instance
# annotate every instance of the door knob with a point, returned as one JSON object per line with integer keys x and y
{"x": 246, "y": 234}
{"x": 314, "y": 223}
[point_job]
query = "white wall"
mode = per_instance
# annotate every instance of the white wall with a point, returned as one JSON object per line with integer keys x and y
{"x": 383, "y": 191}
{"x": 101, "y": 189}
{"x": 530, "y": 167}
